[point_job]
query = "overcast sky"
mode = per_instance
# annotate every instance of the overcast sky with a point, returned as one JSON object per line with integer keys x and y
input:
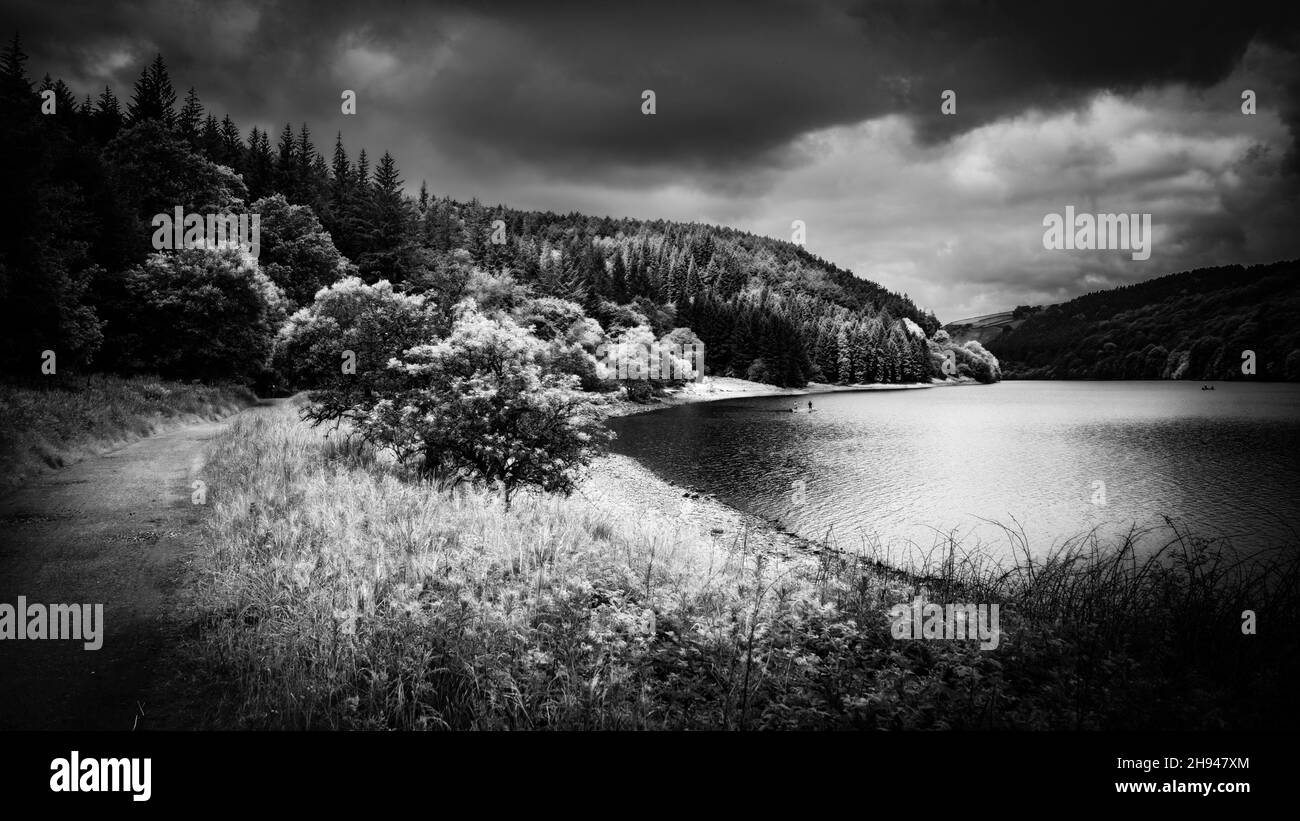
{"x": 769, "y": 112}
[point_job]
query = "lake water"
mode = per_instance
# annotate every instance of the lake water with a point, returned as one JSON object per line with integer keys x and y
{"x": 895, "y": 468}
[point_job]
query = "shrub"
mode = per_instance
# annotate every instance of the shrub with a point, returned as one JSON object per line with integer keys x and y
{"x": 982, "y": 364}
{"x": 374, "y": 322}
{"x": 295, "y": 250}
{"x": 479, "y": 406}
{"x": 570, "y": 337}
{"x": 202, "y": 313}
{"x": 639, "y": 391}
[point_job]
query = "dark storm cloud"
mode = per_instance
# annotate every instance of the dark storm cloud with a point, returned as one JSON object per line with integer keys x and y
{"x": 774, "y": 110}
{"x": 1004, "y": 56}
{"x": 558, "y": 86}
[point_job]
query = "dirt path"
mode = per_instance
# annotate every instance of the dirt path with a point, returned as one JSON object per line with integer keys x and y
{"x": 115, "y": 529}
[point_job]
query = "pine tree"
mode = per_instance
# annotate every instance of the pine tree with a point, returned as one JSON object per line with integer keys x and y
{"x": 86, "y": 118}
{"x": 357, "y": 217}
{"x": 844, "y": 367}
{"x": 320, "y": 178}
{"x": 154, "y": 99}
{"x": 13, "y": 69}
{"x": 672, "y": 280}
{"x": 618, "y": 279}
{"x": 920, "y": 360}
{"x": 638, "y": 284}
{"x": 446, "y": 229}
{"x": 189, "y": 121}
{"x": 340, "y": 184}
{"x": 305, "y": 153}
{"x": 305, "y": 169}
{"x": 730, "y": 279}
{"x": 748, "y": 342}
{"x": 388, "y": 257}
{"x": 497, "y": 256}
{"x": 211, "y": 138}
{"x": 286, "y": 165}
{"x": 829, "y": 362}
{"x": 891, "y": 358}
{"x": 336, "y": 200}
{"x": 656, "y": 273}
{"x": 363, "y": 172}
{"x": 260, "y": 164}
{"x": 476, "y": 231}
{"x": 341, "y": 168}
{"x": 65, "y": 105}
{"x": 863, "y": 357}
{"x": 387, "y": 182}
{"x": 389, "y": 206}
{"x": 107, "y": 118}
{"x": 232, "y": 145}
{"x": 692, "y": 286}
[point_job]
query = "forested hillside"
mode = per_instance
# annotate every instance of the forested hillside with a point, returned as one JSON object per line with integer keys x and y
{"x": 1192, "y": 325}
{"x": 79, "y": 276}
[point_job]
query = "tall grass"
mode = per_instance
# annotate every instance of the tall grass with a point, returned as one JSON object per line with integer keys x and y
{"x": 70, "y": 417}
{"x": 337, "y": 592}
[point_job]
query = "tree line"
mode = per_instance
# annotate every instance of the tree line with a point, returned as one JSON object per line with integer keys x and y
{"x": 79, "y": 276}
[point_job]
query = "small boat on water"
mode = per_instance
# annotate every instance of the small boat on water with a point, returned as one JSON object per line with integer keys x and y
{"x": 1207, "y": 387}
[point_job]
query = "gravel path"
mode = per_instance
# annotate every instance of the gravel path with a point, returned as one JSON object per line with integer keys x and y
{"x": 116, "y": 529}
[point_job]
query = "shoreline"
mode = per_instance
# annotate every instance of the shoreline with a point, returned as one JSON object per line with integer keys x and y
{"x": 718, "y": 388}
{"x": 625, "y": 490}
{"x": 631, "y": 490}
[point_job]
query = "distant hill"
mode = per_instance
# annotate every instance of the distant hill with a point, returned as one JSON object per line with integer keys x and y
{"x": 766, "y": 309}
{"x": 1191, "y": 325}
{"x": 661, "y": 259}
{"x": 982, "y": 329}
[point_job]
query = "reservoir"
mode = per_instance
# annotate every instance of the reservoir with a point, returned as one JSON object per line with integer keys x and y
{"x": 899, "y": 472}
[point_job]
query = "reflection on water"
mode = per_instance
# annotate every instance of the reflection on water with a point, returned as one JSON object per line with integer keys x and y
{"x": 1060, "y": 458}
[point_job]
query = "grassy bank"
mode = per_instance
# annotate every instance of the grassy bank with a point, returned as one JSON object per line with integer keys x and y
{"x": 67, "y": 419}
{"x": 334, "y": 592}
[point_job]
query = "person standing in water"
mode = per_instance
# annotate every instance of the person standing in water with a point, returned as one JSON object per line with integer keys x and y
{"x": 810, "y": 406}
